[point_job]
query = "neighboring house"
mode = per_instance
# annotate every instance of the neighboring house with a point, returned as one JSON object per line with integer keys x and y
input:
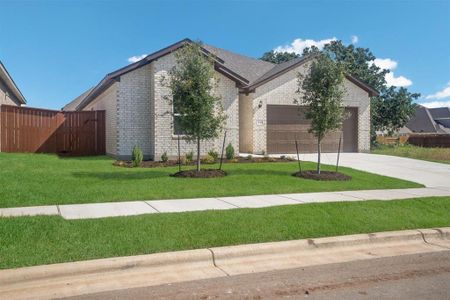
{"x": 429, "y": 120}
{"x": 257, "y": 96}
{"x": 9, "y": 92}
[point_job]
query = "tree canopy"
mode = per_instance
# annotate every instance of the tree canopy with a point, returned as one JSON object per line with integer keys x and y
{"x": 278, "y": 57}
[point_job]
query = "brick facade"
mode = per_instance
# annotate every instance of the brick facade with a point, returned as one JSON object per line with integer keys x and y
{"x": 138, "y": 112}
{"x": 282, "y": 90}
{"x": 165, "y": 141}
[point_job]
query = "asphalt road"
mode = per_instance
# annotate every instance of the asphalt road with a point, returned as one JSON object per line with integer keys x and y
{"x": 420, "y": 276}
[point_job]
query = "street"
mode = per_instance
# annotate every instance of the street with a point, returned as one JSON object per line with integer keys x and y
{"x": 419, "y": 276}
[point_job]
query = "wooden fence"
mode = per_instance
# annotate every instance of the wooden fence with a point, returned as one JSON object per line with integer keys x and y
{"x": 24, "y": 129}
{"x": 430, "y": 140}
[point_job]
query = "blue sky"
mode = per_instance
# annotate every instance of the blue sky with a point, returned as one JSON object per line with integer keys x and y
{"x": 55, "y": 50}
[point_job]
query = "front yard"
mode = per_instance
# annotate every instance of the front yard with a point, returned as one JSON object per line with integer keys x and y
{"x": 27, "y": 241}
{"x": 40, "y": 179}
{"x": 441, "y": 155}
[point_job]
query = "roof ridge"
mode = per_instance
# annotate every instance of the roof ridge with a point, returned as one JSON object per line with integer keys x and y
{"x": 242, "y": 55}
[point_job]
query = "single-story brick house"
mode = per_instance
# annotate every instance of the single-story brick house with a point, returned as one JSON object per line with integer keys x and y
{"x": 9, "y": 92}
{"x": 257, "y": 96}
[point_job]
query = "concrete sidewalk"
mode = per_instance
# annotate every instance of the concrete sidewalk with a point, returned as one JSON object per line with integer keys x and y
{"x": 130, "y": 208}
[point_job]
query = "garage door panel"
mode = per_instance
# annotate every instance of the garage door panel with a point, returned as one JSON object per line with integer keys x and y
{"x": 286, "y": 124}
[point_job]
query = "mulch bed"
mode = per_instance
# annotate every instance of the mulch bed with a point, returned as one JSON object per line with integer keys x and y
{"x": 204, "y": 173}
{"x": 173, "y": 163}
{"x": 324, "y": 175}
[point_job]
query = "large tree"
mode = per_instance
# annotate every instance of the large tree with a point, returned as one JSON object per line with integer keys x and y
{"x": 393, "y": 107}
{"x": 321, "y": 91}
{"x": 199, "y": 113}
{"x": 278, "y": 57}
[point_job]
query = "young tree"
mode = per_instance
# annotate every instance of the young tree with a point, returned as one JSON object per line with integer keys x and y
{"x": 393, "y": 107}
{"x": 200, "y": 114}
{"x": 322, "y": 91}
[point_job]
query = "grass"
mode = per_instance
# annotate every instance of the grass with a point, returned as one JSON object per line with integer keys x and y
{"x": 441, "y": 155}
{"x": 27, "y": 241}
{"x": 39, "y": 179}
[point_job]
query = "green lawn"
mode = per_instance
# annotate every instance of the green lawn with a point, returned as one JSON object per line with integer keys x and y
{"x": 441, "y": 155}
{"x": 38, "y": 179}
{"x": 27, "y": 241}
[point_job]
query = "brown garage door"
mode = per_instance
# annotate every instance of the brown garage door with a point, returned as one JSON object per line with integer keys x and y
{"x": 287, "y": 123}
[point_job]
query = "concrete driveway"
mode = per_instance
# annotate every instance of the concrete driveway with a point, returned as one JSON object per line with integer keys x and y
{"x": 427, "y": 173}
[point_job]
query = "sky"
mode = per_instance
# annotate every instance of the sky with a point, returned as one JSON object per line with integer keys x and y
{"x": 55, "y": 50}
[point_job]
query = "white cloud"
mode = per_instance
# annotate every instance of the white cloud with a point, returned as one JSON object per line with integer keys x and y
{"x": 298, "y": 45}
{"x": 434, "y": 104}
{"x": 136, "y": 58}
{"x": 441, "y": 94}
{"x": 400, "y": 81}
{"x": 385, "y": 63}
{"x": 355, "y": 39}
{"x": 391, "y": 65}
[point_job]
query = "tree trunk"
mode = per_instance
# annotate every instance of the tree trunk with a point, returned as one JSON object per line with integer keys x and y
{"x": 318, "y": 155}
{"x": 198, "y": 154}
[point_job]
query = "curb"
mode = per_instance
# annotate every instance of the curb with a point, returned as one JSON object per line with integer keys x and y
{"x": 86, "y": 277}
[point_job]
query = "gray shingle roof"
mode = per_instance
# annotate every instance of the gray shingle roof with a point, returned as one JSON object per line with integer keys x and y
{"x": 440, "y": 112}
{"x": 71, "y": 106}
{"x": 423, "y": 121}
{"x": 248, "y": 67}
{"x": 247, "y": 72}
{"x": 279, "y": 68}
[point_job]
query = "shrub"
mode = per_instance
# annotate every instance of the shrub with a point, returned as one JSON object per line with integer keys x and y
{"x": 137, "y": 156}
{"x": 208, "y": 159}
{"x": 249, "y": 157}
{"x": 213, "y": 154}
{"x": 229, "y": 151}
{"x": 189, "y": 157}
{"x": 164, "y": 157}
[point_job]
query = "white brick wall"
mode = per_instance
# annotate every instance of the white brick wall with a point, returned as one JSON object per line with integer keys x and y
{"x": 134, "y": 124}
{"x": 281, "y": 90}
{"x": 5, "y": 97}
{"x": 165, "y": 141}
{"x": 107, "y": 101}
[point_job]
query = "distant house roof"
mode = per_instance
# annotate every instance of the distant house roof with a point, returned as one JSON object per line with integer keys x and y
{"x": 425, "y": 121}
{"x": 13, "y": 90}
{"x": 72, "y": 106}
{"x": 247, "y": 72}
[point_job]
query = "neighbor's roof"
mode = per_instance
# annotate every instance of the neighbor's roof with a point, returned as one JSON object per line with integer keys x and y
{"x": 11, "y": 85}
{"x": 423, "y": 121}
{"x": 247, "y": 72}
{"x": 72, "y": 106}
{"x": 441, "y": 115}
{"x": 440, "y": 112}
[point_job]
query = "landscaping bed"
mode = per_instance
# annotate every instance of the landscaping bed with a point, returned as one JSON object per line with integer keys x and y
{"x": 27, "y": 241}
{"x": 323, "y": 176}
{"x": 203, "y": 173}
{"x": 173, "y": 163}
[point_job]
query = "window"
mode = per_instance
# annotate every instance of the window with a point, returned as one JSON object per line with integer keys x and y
{"x": 177, "y": 130}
